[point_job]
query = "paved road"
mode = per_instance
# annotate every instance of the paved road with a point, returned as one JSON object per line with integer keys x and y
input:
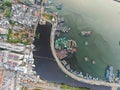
{"x": 47, "y": 68}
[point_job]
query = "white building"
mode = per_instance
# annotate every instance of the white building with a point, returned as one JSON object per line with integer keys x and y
{"x": 22, "y": 69}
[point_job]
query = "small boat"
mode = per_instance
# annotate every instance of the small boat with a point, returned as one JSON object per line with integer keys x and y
{"x": 59, "y": 6}
{"x": 93, "y": 62}
{"x": 85, "y": 33}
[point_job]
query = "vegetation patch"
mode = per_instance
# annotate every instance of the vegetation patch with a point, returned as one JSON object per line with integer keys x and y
{"x": 5, "y": 8}
{"x": 47, "y": 16}
{"x": 8, "y": 12}
{"x": 8, "y": 4}
{"x": 18, "y": 37}
{"x": 2, "y": 7}
{"x": 67, "y": 87}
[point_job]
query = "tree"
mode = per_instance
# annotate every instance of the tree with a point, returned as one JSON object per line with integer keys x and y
{"x": 2, "y": 7}
{"x": 8, "y": 12}
{"x": 7, "y": 3}
{"x": 24, "y": 88}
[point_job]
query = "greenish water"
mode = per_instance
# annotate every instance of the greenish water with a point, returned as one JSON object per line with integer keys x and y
{"x": 102, "y": 17}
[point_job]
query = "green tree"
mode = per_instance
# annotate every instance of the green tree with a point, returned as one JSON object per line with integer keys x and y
{"x": 9, "y": 34}
{"x": 2, "y": 7}
{"x": 12, "y": 22}
{"x": 8, "y": 12}
{"x": 7, "y": 3}
{"x": 9, "y": 31}
{"x": 24, "y": 88}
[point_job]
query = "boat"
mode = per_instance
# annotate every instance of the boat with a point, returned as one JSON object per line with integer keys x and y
{"x": 85, "y": 33}
{"x": 59, "y": 6}
{"x": 109, "y": 75}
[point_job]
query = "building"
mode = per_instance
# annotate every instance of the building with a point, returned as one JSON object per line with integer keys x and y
{"x": 10, "y": 60}
{"x": 22, "y": 69}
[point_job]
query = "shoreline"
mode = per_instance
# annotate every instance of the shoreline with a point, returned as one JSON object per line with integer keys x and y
{"x": 48, "y": 69}
{"x": 72, "y": 75}
{"x": 92, "y": 82}
{"x": 104, "y": 21}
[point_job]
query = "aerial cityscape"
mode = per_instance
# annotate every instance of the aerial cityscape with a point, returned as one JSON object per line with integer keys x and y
{"x": 59, "y": 45}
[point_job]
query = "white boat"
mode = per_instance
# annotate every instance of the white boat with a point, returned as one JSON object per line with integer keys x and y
{"x": 85, "y": 33}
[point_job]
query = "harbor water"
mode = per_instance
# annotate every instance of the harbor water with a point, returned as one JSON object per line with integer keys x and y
{"x": 45, "y": 65}
{"x": 102, "y": 17}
